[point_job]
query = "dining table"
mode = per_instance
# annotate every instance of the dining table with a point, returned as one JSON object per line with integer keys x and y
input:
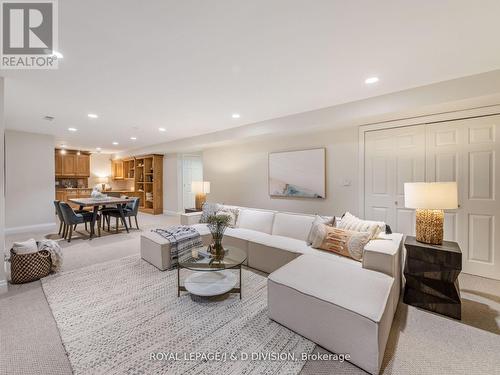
{"x": 96, "y": 203}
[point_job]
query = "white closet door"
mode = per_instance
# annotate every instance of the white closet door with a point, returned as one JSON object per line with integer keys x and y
{"x": 192, "y": 170}
{"x": 393, "y": 157}
{"x": 467, "y": 151}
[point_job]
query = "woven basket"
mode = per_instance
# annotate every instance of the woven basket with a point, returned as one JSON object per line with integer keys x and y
{"x": 25, "y": 268}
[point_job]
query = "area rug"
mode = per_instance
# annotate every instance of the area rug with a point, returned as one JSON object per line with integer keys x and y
{"x": 124, "y": 317}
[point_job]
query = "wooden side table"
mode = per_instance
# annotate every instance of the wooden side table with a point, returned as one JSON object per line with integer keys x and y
{"x": 431, "y": 273}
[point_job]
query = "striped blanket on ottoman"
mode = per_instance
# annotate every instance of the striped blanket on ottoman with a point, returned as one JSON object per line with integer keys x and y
{"x": 182, "y": 240}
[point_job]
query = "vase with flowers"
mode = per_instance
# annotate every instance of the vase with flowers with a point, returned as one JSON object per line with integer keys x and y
{"x": 217, "y": 225}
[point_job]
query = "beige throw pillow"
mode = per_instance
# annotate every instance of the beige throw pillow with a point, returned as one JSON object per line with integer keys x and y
{"x": 343, "y": 242}
{"x": 317, "y": 229}
{"x": 353, "y": 223}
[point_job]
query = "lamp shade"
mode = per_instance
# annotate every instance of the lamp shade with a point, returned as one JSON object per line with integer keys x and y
{"x": 431, "y": 195}
{"x": 202, "y": 187}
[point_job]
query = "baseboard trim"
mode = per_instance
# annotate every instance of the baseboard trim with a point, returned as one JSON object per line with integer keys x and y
{"x": 30, "y": 228}
{"x": 171, "y": 213}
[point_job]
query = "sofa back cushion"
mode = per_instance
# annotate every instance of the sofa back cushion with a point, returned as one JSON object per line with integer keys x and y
{"x": 292, "y": 225}
{"x": 258, "y": 220}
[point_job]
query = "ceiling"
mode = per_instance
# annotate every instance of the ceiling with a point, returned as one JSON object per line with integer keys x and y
{"x": 187, "y": 66}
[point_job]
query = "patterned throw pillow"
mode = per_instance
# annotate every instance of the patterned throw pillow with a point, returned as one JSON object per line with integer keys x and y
{"x": 317, "y": 229}
{"x": 232, "y": 213}
{"x": 343, "y": 242}
{"x": 353, "y": 223}
{"x": 209, "y": 209}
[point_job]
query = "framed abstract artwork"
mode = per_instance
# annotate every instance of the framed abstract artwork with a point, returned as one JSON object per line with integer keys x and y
{"x": 298, "y": 174}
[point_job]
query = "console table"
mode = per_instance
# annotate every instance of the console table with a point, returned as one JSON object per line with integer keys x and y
{"x": 431, "y": 273}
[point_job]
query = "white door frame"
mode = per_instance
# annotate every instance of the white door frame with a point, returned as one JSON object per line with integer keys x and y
{"x": 490, "y": 110}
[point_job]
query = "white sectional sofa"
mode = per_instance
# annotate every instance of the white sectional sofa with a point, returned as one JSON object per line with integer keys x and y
{"x": 342, "y": 304}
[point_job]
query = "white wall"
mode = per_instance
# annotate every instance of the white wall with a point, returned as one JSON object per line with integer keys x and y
{"x": 100, "y": 166}
{"x": 239, "y": 174}
{"x": 3, "y": 278}
{"x": 172, "y": 183}
{"x": 30, "y": 181}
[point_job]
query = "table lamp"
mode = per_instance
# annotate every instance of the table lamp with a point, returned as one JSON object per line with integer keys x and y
{"x": 103, "y": 180}
{"x": 430, "y": 199}
{"x": 201, "y": 189}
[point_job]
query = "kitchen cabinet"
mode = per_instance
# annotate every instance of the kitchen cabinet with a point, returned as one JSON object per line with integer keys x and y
{"x": 83, "y": 165}
{"x": 117, "y": 169}
{"x": 58, "y": 163}
{"x": 64, "y": 195}
{"x": 71, "y": 163}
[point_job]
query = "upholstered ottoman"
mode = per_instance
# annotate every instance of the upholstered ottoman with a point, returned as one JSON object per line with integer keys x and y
{"x": 340, "y": 306}
{"x": 156, "y": 250}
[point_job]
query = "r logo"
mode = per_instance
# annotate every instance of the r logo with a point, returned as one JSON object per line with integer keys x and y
{"x": 27, "y": 28}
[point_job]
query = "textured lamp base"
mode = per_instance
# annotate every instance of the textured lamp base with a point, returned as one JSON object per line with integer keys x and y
{"x": 199, "y": 199}
{"x": 430, "y": 226}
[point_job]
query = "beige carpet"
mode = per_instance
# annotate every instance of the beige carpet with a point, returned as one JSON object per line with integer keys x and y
{"x": 420, "y": 342}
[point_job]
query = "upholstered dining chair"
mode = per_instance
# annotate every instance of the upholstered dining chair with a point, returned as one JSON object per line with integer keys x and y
{"x": 62, "y": 226}
{"x": 130, "y": 210}
{"x": 72, "y": 219}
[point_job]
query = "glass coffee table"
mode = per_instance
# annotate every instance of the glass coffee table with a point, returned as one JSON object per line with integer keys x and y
{"x": 211, "y": 278}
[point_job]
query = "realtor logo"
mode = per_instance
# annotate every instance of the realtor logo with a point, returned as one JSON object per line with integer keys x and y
{"x": 29, "y": 34}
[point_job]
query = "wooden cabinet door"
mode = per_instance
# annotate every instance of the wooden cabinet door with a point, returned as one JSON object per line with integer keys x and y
{"x": 83, "y": 165}
{"x": 61, "y": 196}
{"x": 84, "y": 193}
{"x": 69, "y": 165}
{"x": 58, "y": 164}
{"x": 117, "y": 169}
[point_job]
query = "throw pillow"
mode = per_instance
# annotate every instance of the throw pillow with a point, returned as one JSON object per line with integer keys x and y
{"x": 25, "y": 247}
{"x": 232, "y": 213}
{"x": 343, "y": 242}
{"x": 316, "y": 228}
{"x": 209, "y": 209}
{"x": 353, "y": 223}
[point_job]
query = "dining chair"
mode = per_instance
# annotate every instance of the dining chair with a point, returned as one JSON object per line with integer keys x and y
{"x": 72, "y": 219}
{"x": 130, "y": 210}
{"x": 62, "y": 225}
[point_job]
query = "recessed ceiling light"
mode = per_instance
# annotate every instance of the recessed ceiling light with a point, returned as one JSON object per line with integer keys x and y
{"x": 115, "y": 143}
{"x": 92, "y": 115}
{"x": 371, "y": 80}
{"x": 162, "y": 129}
{"x": 133, "y": 138}
{"x": 235, "y": 115}
{"x": 72, "y": 129}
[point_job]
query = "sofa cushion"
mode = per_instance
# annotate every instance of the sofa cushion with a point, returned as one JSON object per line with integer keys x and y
{"x": 332, "y": 256}
{"x": 292, "y": 225}
{"x": 284, "y": 243}
{"x": 260, "y": 221}
{"x": 363, "y": 292}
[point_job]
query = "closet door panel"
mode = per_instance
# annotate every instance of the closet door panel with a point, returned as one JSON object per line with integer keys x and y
{"x": 467, "y": 151}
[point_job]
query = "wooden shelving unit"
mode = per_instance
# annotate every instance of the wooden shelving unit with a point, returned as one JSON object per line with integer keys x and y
{"x": 147, "y": 172}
